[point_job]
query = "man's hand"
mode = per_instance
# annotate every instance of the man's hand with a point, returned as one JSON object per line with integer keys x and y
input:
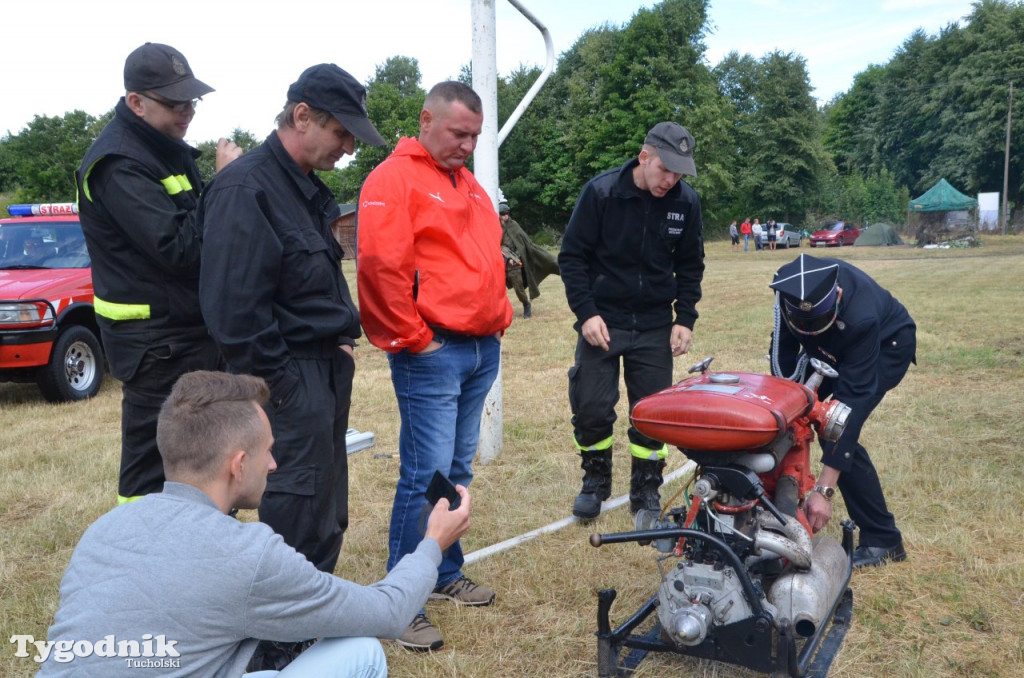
{"x": 431, "y": 347}
{"x": 680, "y": 340}
{"x": 595, "y": 332}
{"x": 445, "y": 526}
{"x": 818, "y": 510}
{"x": 347, "y": 349}
{"x": 227, "y": 152}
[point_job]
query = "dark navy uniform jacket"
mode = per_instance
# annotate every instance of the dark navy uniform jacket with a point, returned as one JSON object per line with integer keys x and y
{"x": 871, "y": 344}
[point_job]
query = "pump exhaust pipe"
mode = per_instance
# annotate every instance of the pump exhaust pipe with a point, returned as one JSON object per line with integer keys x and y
{"x": 807, "y": 597}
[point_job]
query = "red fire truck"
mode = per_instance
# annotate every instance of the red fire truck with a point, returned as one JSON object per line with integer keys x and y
{"x": 48, "y": 331}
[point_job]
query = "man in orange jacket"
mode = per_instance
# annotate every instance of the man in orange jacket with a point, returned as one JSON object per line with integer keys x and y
{"x": 432, "y": 294}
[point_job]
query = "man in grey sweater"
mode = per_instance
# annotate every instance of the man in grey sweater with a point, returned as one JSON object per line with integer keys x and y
{"x": 173, "y": 583}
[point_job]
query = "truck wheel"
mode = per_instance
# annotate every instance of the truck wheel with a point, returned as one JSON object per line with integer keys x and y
{"x": 75, "y": 370}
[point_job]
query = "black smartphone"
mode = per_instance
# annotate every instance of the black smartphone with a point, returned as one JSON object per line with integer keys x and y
{"x": 442, "y": 487}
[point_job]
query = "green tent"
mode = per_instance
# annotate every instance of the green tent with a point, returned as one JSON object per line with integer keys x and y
{"x": 878, "y": 234}
{"x": 942, "y": 197}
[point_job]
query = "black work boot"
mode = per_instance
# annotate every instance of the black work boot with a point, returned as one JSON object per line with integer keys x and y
{"x": 644, "y": 481}
{"x": 597, "y": 483}
{"x": 527, "y": 309}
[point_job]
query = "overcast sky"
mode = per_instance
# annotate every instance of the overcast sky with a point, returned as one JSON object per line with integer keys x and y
{"x": 60, "y": 55}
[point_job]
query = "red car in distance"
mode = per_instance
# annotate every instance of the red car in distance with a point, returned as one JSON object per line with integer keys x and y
{"x": 835, "y": 234}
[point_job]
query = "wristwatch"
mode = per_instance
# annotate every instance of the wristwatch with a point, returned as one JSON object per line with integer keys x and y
{"x": 825, "y": 491}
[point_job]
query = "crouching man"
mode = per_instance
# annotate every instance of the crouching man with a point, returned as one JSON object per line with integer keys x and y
{"x": 175, "y": 564}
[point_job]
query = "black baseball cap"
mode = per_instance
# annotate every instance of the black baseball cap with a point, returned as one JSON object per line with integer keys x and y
{"x": 163, "y": 70}
{"x": 329, "y": 88}
{"x": 809, "y": 291}
{"x": 675, "y": 147}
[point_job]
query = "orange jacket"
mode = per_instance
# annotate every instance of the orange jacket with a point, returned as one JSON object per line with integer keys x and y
{"x": 429, "y": 253}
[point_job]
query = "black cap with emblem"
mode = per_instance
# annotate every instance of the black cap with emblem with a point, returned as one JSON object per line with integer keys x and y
{"x": 809, "y": 292}
{"x": 163, "y": 70}
{"x": 675, "y": 147}
{"x": 327, "y": 87}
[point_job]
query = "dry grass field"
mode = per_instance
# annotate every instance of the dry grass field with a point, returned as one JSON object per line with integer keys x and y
{"x": 946, "y": 443}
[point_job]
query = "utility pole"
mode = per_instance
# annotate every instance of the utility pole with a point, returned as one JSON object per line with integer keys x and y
{"x": 485, "y": 168}
{"x": 485, "y": 162}
{"x": 1005, "y": 215}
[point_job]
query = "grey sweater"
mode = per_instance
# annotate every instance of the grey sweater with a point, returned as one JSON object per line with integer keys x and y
{"x": 172, "y": 565}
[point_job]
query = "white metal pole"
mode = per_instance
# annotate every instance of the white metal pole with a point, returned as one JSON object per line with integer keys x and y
{"x": 485, "y": 161}
{"x": 502, "y": 546}
{"x": 485, "y": 168}
{"x": 549, "y": 66}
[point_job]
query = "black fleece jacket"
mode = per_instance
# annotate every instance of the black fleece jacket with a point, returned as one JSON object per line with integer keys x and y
{"x": 634, "y": 259}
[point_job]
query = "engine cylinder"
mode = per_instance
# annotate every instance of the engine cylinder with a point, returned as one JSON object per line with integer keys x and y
{"x": 696, "y": 597}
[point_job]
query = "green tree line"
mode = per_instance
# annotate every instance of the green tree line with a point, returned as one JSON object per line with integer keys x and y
{"x": 764, "y": 147}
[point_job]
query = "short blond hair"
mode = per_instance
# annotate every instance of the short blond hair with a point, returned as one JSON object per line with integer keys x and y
{"x": 207, "y": 416}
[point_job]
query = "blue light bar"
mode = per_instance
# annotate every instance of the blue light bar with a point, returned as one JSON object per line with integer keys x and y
{"x": 43, "y": 209}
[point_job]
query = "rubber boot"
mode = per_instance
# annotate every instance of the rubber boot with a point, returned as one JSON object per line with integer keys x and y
{"x": 527, "y": 309}
{"x": 644, "y": 480}
{"x": 597, "y": 483}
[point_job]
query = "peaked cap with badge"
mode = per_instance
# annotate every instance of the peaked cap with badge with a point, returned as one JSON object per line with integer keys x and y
{"x": 162, "y": 70}
{"x": 675, "y": 147}
{"x": 809, "y": 293}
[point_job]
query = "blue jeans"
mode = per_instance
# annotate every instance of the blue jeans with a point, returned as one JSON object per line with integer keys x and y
{"x": 335, "y": 658}
{"x": 440, "y": 398}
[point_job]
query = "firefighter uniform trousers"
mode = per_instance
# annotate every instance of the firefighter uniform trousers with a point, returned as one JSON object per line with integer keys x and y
{"x": 306, "y": 500}
{"x": 646, "y": 359}
{"x": 143, "y": 393}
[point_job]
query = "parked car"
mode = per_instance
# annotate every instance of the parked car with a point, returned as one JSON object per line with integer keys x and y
{"x": 48, "y": 330}
{"x": 787, "y": 235}
{"x": 836, "y": 234}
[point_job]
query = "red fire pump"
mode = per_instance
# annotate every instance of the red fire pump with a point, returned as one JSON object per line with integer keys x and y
{"x": 751, "y": 585}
